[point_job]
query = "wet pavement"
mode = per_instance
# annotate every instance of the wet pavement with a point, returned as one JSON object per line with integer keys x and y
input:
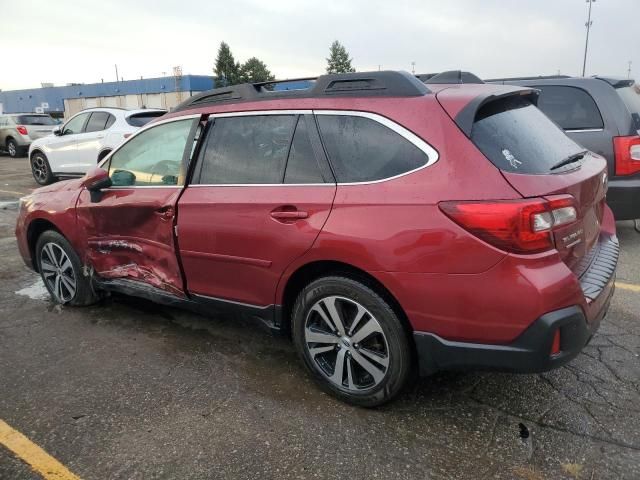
{"x": 128, "y": 389}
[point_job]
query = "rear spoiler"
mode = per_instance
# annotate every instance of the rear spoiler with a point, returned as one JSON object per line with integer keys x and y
{"x": 616, "y": 82}
{"x": 465, "y": 117}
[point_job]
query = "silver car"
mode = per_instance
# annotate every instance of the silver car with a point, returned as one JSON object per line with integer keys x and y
{"x": 18, "y": 130}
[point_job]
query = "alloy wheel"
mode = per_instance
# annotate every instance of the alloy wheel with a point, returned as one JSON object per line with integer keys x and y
{"x": 346, "y": 343}
{"x": 57, "y": 272}
{"x": 39, "y": 165}
{"x": 12, "y": 149}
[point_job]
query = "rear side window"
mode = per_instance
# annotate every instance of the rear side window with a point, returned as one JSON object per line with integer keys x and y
{"x": 570, "y": 107}
{"x": 302, "y": 166}
{"x": 517, "y": 137}
{"x": 97, "y": 122}
{"x": 631, "y": 98}
{"x": 363, "y": 150}
{"x": 247, "y": 150}
{"x": 35, "y": 120}
{"x": 141, "y": 119}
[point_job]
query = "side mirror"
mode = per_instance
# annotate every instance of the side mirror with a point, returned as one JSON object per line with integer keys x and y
{"x": 96, "y": 179}
{"x": 57, "y": 131}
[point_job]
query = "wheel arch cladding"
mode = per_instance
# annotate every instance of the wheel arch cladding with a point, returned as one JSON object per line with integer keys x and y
{"x": 36, "y": 228}
{"x": 309, "y": 272}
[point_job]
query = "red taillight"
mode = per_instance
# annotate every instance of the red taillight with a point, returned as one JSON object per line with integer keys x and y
{"x": 627, "y": 153}
{"x": 22, "y": 130}
{"x": 555, "y": 346}
{"x": 520, "y": 226}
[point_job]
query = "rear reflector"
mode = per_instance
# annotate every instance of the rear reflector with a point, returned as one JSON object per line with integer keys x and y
{"x": 519, "y": 226}
{"x": 22, "y": 130}
{"x": 627, "y": 153}
{"x": 555, "y": 346}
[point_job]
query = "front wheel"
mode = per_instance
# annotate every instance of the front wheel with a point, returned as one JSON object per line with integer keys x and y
{"x": 352, "y": 341}
{"x": 41, "y": 169}
{"x": 61, "y": 271}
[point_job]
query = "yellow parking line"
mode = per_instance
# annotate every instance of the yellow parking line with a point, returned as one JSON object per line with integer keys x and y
{"x": 628, "y": 286}
{"x": 30, "y": 453}
{"x": 14, "y": 192}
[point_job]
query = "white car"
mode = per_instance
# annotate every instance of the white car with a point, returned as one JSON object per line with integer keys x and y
{"x": 84, "y": 140}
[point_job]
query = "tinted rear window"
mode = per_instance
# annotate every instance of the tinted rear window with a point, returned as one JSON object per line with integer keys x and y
{"x": 35, "y": 120}
{"x": 517, "y": 137}
{"x": 631, "y": 98}
{"x": 141, "y": 119}
{"x": 570, "y": 107}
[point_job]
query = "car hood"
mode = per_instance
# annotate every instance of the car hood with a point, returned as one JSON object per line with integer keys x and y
{"x": 64, "y": 185}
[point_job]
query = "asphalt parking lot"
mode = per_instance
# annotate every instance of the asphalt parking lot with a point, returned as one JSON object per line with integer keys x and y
{"x": 128, "y": 389}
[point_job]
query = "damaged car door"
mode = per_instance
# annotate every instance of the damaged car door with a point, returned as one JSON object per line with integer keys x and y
{"x": 129, "y": 227}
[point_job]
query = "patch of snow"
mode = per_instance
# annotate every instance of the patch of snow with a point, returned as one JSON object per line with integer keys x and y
{"x": 37, "y": 291}
{"x": 8, "y": 205}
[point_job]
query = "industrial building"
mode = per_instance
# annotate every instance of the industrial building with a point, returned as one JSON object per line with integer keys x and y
{"x": 65, "y": 101}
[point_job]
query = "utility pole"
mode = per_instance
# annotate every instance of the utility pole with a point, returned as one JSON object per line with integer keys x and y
{"x": 413, "y": 67}
{"x": 629, "y": 70}
{"x": 586, "y": 43}
{"x": 117, "y": 77}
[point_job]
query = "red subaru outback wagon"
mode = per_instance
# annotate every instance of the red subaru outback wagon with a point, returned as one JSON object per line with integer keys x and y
{"x": 389, "y": 226}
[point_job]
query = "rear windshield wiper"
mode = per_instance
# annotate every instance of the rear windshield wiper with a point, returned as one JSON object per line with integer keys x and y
{"x": 570, "y": 159}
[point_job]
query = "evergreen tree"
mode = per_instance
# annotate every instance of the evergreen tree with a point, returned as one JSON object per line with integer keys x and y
{"x": 255, "y": 70}
{"x": 339, "y": 61}
{"x": 226, "y": 68}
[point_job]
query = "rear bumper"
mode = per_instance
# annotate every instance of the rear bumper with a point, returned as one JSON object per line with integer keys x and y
{"x": 529, "y": 353}
{"x": 623, "y": 197}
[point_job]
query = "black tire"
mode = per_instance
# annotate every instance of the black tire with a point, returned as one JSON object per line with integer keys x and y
{"x": 83, "y": 293}
{"x": 348, "y": 294}
{"x": 41, "y": 169}
{"x": 12, "y": 148}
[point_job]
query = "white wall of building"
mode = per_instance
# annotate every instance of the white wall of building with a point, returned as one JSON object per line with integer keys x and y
{"x": 165, "y": 100}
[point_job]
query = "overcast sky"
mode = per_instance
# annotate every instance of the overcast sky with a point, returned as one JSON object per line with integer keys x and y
{"x": 65, "y": 41}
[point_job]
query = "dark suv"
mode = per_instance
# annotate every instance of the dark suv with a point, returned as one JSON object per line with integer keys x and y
{"x": 387, "y": 225}
{"x": 603, "y": 115}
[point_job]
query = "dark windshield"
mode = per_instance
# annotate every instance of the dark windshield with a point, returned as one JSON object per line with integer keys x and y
{"x": 141, "y": 119}
{"x": 517, "y": 137}
{"x": 35, "y": 120}
{"x": 631, "y": 98}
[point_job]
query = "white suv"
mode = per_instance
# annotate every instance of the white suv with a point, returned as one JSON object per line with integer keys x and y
{"x": 84, "y": 141}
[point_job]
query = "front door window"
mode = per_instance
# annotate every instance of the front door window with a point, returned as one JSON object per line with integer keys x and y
{"x": 153, "y": 157}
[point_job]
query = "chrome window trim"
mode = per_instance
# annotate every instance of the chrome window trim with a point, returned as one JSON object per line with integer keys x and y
{"x": 257, "y": 113}
{"x": 195, "y": 185}
{"x": 146, "y": 186}
{"x": 428, "y": 150}
{"x": 580, "y": 130}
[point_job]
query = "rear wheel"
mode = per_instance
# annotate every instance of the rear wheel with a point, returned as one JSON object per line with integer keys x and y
{"x": 61, "y": 271}
{"x": 41, "y": 169}
{"x": 352, "y": 341}
{"x": 12, "y": 148}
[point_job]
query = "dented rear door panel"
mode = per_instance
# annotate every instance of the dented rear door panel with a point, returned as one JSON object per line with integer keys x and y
{"x": 129, "y": 234}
